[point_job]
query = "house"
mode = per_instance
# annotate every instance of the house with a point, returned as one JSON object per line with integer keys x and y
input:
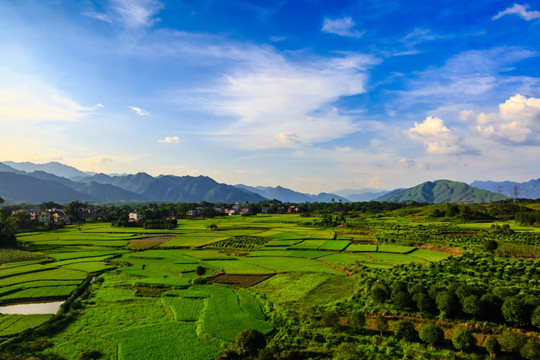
{"x": 61, "y": 216}
{"x": 135, "y": 216}
{"x": 43, "y": 217}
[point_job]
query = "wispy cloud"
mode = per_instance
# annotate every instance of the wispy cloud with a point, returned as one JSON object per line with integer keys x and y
{"x": 341, "y": 26}
{"x": 470, "y": 75}
{"x": 131, "y": 14}
{"x": 38, "y": 101}
{"x": 139, "y": 111}
{"x": 170, "y": 140}
{"x": 280, "y": 103}
{"x": 436, "y": 137}
{"x": 520, "y": 10}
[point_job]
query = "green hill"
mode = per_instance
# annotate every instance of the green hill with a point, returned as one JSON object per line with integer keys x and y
{"x": 443, "y": 191}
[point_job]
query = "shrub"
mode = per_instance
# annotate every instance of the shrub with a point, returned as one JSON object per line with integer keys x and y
{"x": 405, "y": 330}
{"x": 356, "y": 320}
{"x": 512, "y": 341}
{"x": 463, "y": 339}
{"x": 90, "y": 355}
{"x": 432, "y": 334}
{"x": 249, "y": 341}
{"x": 492, "y": 346}
{"x": 515, "y": 312}
{"x": 531, "y": 350}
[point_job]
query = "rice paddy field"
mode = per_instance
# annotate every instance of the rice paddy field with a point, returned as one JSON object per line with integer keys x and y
{"x": 184, "y": 293}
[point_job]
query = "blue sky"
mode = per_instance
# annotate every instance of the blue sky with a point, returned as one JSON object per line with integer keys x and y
{"x": 311, "y": 95}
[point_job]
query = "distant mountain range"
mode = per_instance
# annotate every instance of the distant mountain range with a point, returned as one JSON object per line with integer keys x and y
{"x": 288, "y": 195}
{"x": 35, "y": 183}
{"x": 527, "y": 190}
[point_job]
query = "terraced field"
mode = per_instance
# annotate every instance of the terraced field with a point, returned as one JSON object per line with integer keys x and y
{"x": 181, "y": 293}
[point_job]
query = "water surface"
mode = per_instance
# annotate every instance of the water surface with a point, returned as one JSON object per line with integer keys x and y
{"x": 33, "y": 308}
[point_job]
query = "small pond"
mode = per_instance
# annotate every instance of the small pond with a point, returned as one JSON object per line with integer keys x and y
{"x": 33, "y": 308}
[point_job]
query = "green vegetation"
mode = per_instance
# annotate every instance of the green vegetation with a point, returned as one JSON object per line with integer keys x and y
{"x": 383, "y": 282}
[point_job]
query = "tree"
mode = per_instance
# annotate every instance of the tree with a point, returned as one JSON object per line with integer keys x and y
{"x": 1, "y": 200}
{"x": 516, "y": 312}
{"x": 249, "y": 341}
{"x": 379, "y": 292}
{"x": 402, "y": 300}
{"x": 512, "y": 341}
{"x": 346, "y": 351}
{"x": 424, "y": 302}
{"x": 447, "y": 303}
{"x": 330, "y": 318}
{"x": 381, "y": 323}
{"x": 531, "y": 350}
{"x": 200, "y": 270}
{"x": 491, "y": 245}
{"x": 356, "y": 320}
{"x": 22, "y": 220}
{"x": 463, "y": 339}
{"x": 432, "y": 334}
{"x": 492, "y": 346}
{"x": 471, "y": 305}
{"x": 405, "y": 330}
{"x": 75, "y": 211}
{"x": 535, "y": 317}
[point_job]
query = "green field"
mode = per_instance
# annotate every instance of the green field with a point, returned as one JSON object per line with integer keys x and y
{"x": 161, "y": 301}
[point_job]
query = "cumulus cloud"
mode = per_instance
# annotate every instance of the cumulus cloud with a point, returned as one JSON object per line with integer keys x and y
{"x": 436, "y": 137}
{"x": 170, "y": 140}
{"x": 139, "y": 111}
{"x": 38, "y": 101}
{"x": 131, "y": 14}
{"x": 341, "y": 26}
{"x": 518, "y": 121}
{"x": 520, "y": 10}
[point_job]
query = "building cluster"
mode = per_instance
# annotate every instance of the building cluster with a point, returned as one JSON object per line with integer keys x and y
{"x": 47, "y": 216}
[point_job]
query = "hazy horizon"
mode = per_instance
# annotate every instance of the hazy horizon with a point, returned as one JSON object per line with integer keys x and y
{"x": 311, "y": 96}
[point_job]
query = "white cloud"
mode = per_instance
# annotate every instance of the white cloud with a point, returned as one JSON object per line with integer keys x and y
{"x": 139, "y": 111}
{"x": 278, "y": 103}
{"x": 436, "y": 137}
{"x": 517, "y": 121}
{"x": 170, "y": 140}
{"x": 341, "y": 26}
{"x": 38, "y": 101}
{"x": 471, "y": 76}
{"x": 131, "y": 14}
{"x": 100, "y": 105}
{"x": 520, "y": 10}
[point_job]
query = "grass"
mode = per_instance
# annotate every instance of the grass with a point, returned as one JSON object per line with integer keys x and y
{"x": 291, "y": 287}
{"x": 14, "y": 324}
{"x": 223, "y": 318}
{"x": 162, "y": 342}
{"x": 309, "y": 244}
{"x": 362, "y": 248}
{"x": 84, "y": 254}
{"x": 184, "y": 309}
{"x": 337, "y": 245}
{"x": 312, "y": 254}
{"x": 48, "y": 292}
{"x": 52, "y": 274}
{"x": 398, "y": 249}
{"x": 287, "y": 264}
{"x": 15, "y": 255}
{"x": 237, "y": 267}
{"x": 429, "y": 255}
{"x": 194, "y": 240}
